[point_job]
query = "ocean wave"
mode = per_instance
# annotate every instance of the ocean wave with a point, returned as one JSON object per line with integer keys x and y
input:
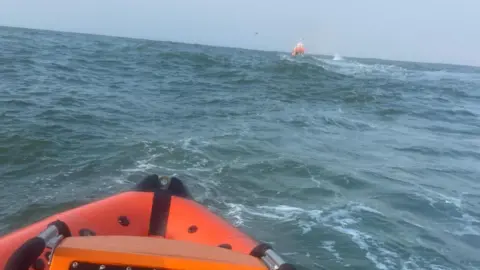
{"x": 357, "y": 163}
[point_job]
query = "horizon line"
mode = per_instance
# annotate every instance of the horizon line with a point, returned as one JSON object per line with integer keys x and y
{"x": 232, "y": 47}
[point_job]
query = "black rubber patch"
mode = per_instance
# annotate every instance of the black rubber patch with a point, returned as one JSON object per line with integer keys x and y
{"x": 179, "y": 189}
{"x": 62, "y": 227}
{"x": 151, "y": 183}
{"x": 148, "y": 184}
{"x": 160, "y": 212}
{"x": 39, "y": 265}
{"x": 123, "y": 220}
{"x": 192, "y": 229}
{"x": 227, "y": 246}
{"x": 259, "y": 250}
{"x": 26, "y": 255}
{"x": 86, "y": 232}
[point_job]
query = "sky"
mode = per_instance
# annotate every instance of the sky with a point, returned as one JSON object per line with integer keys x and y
{"x": 445, "y": 31}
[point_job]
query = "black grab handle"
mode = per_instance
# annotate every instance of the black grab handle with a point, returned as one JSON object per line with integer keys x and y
{"x": 26, "y": 255}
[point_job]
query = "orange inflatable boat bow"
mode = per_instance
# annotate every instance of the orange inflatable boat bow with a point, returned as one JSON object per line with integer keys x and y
{"x": 156, "y": 225}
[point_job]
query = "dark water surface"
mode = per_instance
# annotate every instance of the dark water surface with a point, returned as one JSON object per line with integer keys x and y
{"x": 341, "y": 164}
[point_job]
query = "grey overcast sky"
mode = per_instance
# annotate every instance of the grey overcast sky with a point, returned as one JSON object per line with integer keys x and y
{"x": 445, "y": 31}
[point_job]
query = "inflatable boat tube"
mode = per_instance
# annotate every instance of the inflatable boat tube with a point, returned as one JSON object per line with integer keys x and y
{"x": 156, "y": 225}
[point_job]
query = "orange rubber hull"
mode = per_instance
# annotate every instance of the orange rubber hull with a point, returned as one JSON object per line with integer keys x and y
{"x": 146, "y": 211}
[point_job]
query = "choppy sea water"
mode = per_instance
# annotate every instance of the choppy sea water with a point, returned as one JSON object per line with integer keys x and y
{"x": 339, "y": 163}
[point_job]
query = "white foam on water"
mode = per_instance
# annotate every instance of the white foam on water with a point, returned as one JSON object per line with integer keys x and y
{"x": 437, "y": 197}
{"x": 417, "y": 263}
{"x": 462, "y": 225}
{"x": 465, "y": 231}
{"x": 343, "y": 219}
{"x": 444, "y": 74}
{"x": 235, "y": 212}
{"x": 146, "y": 165}
{"x": 354, "y": 68}
{"x": 287, "y": 58}
{"x": 192, "y": 145}
{"x": 337, "y": 57}
{"x": 330, "y": 246}
{"x": 361, "y": 207}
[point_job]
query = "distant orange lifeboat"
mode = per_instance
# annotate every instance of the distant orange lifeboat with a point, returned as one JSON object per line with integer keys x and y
{"x": 157, "y": 225}
{"x": 299, "y": 49}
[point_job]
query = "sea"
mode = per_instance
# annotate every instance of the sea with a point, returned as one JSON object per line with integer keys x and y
{"x": 337, "y": 162}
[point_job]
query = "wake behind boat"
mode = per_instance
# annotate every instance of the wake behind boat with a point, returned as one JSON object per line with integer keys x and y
{"x": 156, "y": 225}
